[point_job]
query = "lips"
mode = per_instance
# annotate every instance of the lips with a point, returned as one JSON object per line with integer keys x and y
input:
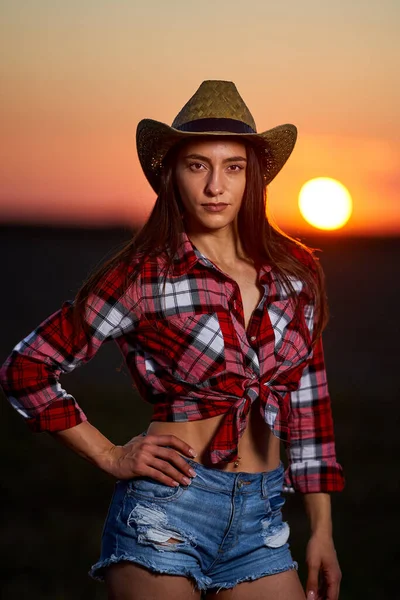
{"x": 215, "y": 206}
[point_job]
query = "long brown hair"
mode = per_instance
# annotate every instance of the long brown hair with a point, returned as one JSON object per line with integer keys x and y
{"x": 267, "y": 243}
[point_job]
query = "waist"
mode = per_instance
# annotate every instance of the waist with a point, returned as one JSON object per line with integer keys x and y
{"x": 245, "y": 482}
{"x": 258, "y": 448}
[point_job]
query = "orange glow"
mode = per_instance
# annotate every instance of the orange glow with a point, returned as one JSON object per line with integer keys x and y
{"x": 74, "y": 91}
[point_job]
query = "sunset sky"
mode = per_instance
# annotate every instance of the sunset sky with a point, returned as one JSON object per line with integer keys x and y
{"x": 77, "y": 76}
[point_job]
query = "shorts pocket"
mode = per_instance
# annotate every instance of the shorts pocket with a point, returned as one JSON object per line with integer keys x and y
{"x": 276, "y": 501}
{"x": 152, "y": 490}
{"x": 272, "y": 489}
{"x": 275, "y": 531}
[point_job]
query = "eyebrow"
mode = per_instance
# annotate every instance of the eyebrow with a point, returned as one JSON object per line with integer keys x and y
{"x": 226, "y": 160}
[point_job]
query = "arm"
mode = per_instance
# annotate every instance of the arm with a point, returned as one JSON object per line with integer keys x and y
{"x": 30, "y": 380}
{"x": 314, "y": 471}
{"x": 146, "y": 456}
{"x": 30, "y": 375}
{"x": 311, "y": 453}
{"x": 324, "y": 573}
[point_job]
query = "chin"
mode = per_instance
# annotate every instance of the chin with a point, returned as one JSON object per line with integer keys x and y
{"x": 216, "y": 223}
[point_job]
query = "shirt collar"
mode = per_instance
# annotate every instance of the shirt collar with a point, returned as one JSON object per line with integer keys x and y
{"x": 187, "y": 256}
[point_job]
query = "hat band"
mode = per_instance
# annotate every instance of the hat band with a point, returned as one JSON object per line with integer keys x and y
{"x": 204, "y": 125}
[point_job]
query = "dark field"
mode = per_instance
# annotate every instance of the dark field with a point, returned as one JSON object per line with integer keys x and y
{"x": 54, "y": 503}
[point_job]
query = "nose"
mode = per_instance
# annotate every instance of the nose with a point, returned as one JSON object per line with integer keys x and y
{"x": 214, "y": 185}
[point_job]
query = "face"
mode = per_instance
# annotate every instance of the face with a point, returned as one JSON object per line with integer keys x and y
{"x": 211, "y": 178}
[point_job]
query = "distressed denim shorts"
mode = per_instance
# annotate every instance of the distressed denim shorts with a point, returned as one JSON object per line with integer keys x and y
{"x": 222, "y": 529}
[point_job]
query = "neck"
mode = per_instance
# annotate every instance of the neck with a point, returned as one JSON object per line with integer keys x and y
{"x": 220, "y": 246}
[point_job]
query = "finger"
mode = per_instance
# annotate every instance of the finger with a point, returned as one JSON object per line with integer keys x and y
{"x": 332, "y": 589}
{"x": 161, "y": 477}
{"x": 169, "y": 470}
{"x": 174, "y": 457}
{"x": 174, "y": 442}
{"x": 312, "y": 582}
{"x": 330, "y": 584}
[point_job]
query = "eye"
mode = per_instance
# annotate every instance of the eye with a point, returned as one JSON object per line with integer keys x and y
{"x": 196, "y": 166}
{"x": 235, "y": 168}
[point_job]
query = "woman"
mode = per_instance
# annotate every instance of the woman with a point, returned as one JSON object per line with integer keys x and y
{"x": 219, "y": 317}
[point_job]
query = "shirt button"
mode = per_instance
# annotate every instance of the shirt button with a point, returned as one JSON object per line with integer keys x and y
{"x": 253, "y": 338}
{"x": 234, "y": 304}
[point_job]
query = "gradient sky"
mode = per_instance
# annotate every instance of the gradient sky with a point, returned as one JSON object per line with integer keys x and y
{"x": 77, "y": 76}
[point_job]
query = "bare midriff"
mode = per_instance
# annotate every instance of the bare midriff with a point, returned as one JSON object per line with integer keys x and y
{"x": 258, "y": 449}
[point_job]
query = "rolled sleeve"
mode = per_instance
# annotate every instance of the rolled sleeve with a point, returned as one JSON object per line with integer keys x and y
{"x": 311, "y": 451}
{"x": 61, "y": 414}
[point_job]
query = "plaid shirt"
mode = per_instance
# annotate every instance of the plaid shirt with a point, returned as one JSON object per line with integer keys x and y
{"x": 186, "y": 346}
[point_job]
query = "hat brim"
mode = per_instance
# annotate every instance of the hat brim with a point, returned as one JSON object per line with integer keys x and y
{"x": 154, "y": 139}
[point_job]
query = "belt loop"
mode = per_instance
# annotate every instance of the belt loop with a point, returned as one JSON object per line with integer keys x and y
{"x": 264, "y": 485}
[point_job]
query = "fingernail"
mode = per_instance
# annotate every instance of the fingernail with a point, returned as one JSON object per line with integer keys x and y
{"x": 192, "y": 472}
{"x": 192, "y": 452}
{"x": 311, "y": 595}
{"x": 186, "y": 480}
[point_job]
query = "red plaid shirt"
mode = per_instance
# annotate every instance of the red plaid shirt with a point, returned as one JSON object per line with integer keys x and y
{"x": 185, "y": 344}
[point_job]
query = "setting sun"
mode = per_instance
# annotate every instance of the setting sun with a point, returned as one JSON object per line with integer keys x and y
{"x": 325, "y": 203}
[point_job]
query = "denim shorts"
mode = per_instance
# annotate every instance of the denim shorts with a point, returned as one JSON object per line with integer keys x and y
{"x": 222, "y": 529}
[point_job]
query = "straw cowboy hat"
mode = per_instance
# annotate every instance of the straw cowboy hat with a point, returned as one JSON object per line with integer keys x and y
{"x": 215, "y": 109}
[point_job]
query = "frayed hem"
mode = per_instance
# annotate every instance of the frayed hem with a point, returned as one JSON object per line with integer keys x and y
{"x": 96, "y": 572}
{"x": 227, "y": 585}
